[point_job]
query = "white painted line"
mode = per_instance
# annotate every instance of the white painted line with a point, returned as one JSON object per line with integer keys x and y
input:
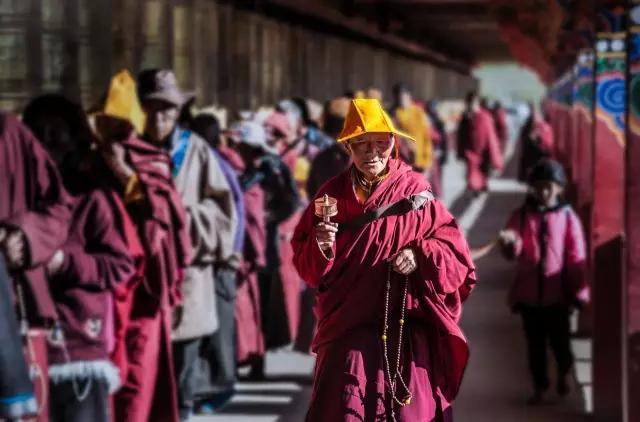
{"x": 506, "y": 186}
{"x": 236, "y": 418}
{"x": 260, "y": 399}
{"x": 285, "y": 387}
{"x": 581, "y": 348}
{"x": 471, "y": 214}
{"x": 587, "y": 393}
{"x": 583, "y": 372}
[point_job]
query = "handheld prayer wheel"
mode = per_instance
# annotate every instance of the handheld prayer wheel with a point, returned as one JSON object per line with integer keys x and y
{"x": 326, "y": 207}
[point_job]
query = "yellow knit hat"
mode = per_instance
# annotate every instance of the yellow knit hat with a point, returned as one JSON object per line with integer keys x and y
{"x": 122, "y": 101}
{"x": 366, "y": 115}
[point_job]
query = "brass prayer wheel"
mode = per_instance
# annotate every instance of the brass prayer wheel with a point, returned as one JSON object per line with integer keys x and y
{"x": 326, "y": 207}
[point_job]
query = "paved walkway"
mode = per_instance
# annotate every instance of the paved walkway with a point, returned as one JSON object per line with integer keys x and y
{"x": 496, "y": 384}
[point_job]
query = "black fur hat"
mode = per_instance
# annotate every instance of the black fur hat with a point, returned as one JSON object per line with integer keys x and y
{"x": 548, "y": 170}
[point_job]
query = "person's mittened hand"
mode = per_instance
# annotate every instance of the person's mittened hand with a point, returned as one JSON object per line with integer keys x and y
{"x": 404, "y": 262}
{"x": 15, "y": 249}
{"x": 326, "y": 234}
{"x": 55, "y": 263}
{"x": 508, "y": 237}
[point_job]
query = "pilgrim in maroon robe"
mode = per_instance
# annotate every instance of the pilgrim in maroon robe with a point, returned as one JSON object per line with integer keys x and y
{"x": 249, "y": 335}
{"x": 90, "y": 266}
{"x": 349, "y": 382}
{"x": 501, "y": 124}
{"x": 480, "y": 148}
{"x": 32, "y": 200}
{"x": 290, "y": 279}
{"x": 149, "y": 390}
{"x": 536, "y": 139}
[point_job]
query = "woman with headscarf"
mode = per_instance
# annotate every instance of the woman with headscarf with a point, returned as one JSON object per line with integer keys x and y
{"x": 392, "y": 270}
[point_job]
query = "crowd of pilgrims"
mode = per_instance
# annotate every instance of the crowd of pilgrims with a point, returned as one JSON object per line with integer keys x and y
{"x": 148, "y": 248}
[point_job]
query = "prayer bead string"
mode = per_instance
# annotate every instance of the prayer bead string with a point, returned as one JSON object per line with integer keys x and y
{"x": 397, "y": 374}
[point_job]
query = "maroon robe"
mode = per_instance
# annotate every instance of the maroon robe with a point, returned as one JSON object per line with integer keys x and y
{"x": 482, "y": 152}
{"x": 96, "y": 259}
{"x": 349, "y": 380}
{"x": 249, "y": 336}
{"x": 32, "y": 199}
{"x": 251, "y": 344}
{"x": 289, "y": 277}
{"x": 502, "y": 127}
{"x": 149, "y": 390}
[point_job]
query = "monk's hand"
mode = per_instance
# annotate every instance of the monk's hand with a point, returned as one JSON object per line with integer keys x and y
{"x": 55, "y": 263}
{"x": 326, "y": 235}
{"x": 404, "y": 262}
{"x": 15, "y": 249}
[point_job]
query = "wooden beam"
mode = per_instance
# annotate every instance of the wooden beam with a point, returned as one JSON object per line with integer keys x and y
{"x": 368, "y": 31}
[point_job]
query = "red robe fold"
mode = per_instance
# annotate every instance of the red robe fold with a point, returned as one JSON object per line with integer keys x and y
{"x": 349, "y": 380}
{"x": 33, "y": 199}
{"x": 249, "y": 334}
{"x": 149, "y": 391}
{"x": 502, "y": 127}
{"x": 482, "y": 150}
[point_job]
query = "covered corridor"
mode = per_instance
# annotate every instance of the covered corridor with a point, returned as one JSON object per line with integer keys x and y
{"x": 236, "y": 60}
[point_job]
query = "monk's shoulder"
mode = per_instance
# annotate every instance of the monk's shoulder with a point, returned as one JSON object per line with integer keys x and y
{"x": 412, "y": 182}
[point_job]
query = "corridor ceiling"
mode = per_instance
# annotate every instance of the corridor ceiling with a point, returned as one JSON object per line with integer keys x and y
{"x": 544, "y": 35}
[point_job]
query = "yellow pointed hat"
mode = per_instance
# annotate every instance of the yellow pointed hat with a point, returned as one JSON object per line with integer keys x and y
{"x": 366, "y": 115}
{"x": 122, "y": 101}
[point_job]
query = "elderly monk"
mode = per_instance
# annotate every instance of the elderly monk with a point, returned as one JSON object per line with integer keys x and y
{"x": 392, "y": 270}
{"x": 212, "y": 220}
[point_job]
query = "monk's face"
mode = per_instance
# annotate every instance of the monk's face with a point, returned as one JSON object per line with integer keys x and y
{"x": 370, "y": 153}
{"x": 162, "y": 118}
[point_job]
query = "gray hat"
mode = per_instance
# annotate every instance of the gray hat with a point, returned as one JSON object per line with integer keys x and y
{"x": 161, "y": 84}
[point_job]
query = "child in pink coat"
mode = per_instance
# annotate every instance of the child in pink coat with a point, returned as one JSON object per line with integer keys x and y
{"x": 546, "y": 239}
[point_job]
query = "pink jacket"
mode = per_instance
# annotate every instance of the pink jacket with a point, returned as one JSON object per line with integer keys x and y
{"x": 551, "y": 265}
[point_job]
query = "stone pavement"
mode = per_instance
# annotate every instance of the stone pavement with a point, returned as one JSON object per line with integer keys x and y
{"x": 496, "y": 385}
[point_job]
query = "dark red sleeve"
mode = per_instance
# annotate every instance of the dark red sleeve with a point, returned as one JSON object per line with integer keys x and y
{"x": 105, "y": 260}
{"x": 443, "y": 255}
{"x": 45, "y": 226}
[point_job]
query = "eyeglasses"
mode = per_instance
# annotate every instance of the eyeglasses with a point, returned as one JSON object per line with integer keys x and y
{"x": 380, "y": 145}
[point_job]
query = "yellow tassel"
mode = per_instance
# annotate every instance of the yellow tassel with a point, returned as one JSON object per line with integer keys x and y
{"x": 402, "y": 322}
{"x": 407, "y": 401}
{"x": 384, "y": 337}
